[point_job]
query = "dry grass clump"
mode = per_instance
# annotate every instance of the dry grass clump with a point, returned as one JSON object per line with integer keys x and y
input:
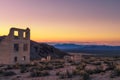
{"x": 116, "y": 72}
{"x": 39, "y": 73}
{"x": 63, "y": 75}
{"x": 84, "y": 74}
{"x": 7, "y": 73}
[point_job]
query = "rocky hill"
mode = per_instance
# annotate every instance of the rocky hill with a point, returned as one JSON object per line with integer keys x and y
{"x": 40, "y": 50}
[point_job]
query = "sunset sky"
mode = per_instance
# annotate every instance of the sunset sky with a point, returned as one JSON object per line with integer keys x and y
{"x": 64, "y": 20}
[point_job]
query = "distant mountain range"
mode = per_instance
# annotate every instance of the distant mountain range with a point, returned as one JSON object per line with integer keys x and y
{"x": 94, "y": 49}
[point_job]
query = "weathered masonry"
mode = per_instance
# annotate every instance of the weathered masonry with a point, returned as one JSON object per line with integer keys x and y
{"x": 15, "y": 48}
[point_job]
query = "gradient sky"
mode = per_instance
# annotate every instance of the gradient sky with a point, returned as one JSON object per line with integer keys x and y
{"x": 63, "y": 20}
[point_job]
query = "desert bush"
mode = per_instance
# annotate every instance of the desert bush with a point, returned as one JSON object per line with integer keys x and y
{"x": 9, "y": 67}
{"x": 73, "y": 63}
{"x": 115, "y": 72}
{"x": 81, "y": 66}
{"x": 39, "y": 73}
{"x": 27, "y": 65}
{"x": 52, "y": 64}
{"x": 16, "y": 66}
{"x": 96, "y": 71}
{"x": 63, "y": 75}
{"x": 9, "y": 73}
{"x": 107, "y": 62}
{"x": 1, "y": 72}
{"x": 37, "y": 68}
{"x": 111, "y": 66}
{"x": 96, "y": 63}
{"x": 70, "y": 61}
{"x": 58, "y": 66}
{"x": 84, "y": 75}
{"x": 68, "y": 74}
{"x": 23, "y": 69}
{"x": 1, "y": 65}
{"x": 76, "y": 72}
{"x": 57, "y": 73}
{"x": 48, "y": 67}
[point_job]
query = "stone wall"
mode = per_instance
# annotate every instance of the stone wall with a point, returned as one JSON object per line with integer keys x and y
{"x": 15, "y": 48}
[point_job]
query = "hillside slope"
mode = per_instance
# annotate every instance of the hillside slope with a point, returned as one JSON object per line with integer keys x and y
{"x": 39, "y": 50}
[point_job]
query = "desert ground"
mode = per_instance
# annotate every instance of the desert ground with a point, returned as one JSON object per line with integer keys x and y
{"x": 81, "y": 67}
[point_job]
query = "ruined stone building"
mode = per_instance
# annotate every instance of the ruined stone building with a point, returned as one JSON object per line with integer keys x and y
{"x": 15, "y": 48}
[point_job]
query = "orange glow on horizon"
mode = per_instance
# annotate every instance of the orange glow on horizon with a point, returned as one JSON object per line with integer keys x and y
{"x": 74, "y": 21}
